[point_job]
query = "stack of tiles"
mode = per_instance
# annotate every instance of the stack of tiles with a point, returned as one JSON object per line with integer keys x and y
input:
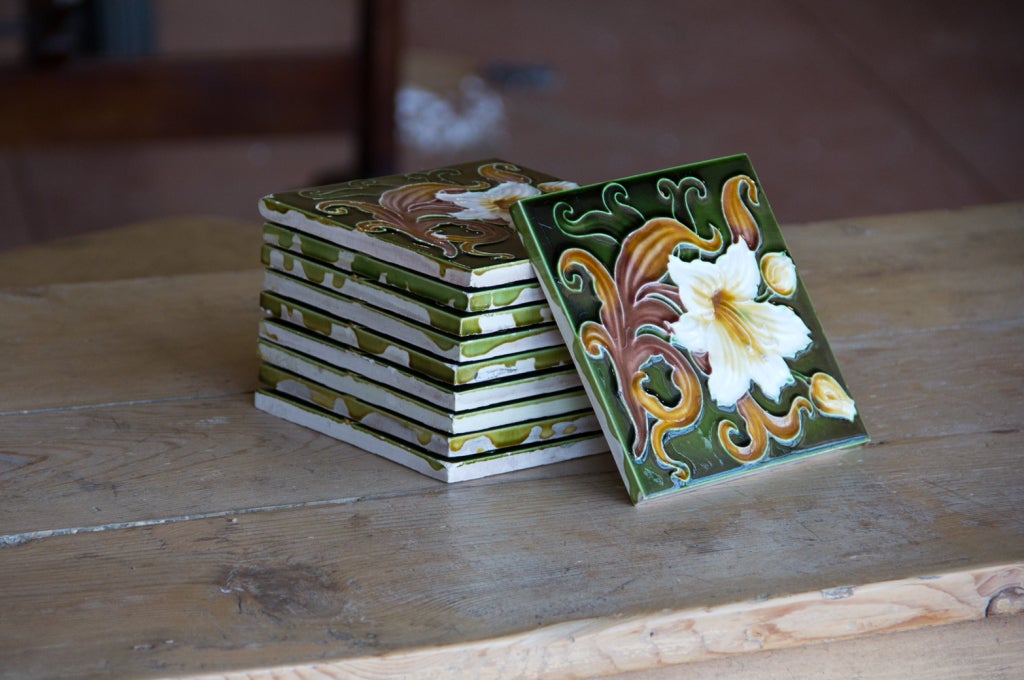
{"x": 404, "y": 317}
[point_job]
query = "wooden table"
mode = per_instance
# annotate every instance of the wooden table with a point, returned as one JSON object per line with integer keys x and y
{"x": 153, "y": 523}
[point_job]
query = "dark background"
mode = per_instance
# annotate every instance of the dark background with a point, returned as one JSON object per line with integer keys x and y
{"x": 846, "y": 108}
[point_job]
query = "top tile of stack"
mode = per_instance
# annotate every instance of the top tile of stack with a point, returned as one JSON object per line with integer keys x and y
{"x": 448, "y": 223}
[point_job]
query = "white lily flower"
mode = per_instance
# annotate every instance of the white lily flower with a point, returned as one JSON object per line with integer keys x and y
{"x": 745, "y": 341}
{"x": 492, "y": 204}
{"x": 558, "y": 185}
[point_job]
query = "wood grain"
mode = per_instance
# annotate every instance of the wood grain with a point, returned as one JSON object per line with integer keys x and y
{"x": 592, "y": 648}
{"x": 137, "y": 361}
{"x": 450, "y": 566}
{"x": 983, "y": 650}
{"x": 919, "y": 271}
{"x": 170, "y": 461}
{"x": 146, "y": 461}
{"x": 987, "y": 649}
{"x": 124, "y": 341}
{"x": 164, "y": 247}
{"x": 154, "y": 524}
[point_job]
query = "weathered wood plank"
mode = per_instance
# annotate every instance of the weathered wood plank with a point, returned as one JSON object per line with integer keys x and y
{"x": 984, "y": 649}
{"x": 599, "y": 647}
{"x": 551, "y": 567}
{"x": 899, "y": 273}
{"x": 461, "y": 564}
{"x": 949, "y": 284}
{"x": 144, "y": 462}
{"x": 927, "y": 384}
{"x": 132, "y": 340}
{"x": 171, "y": 246}
{"x": 987, "y": 649}
{"x": 102, "y": 468}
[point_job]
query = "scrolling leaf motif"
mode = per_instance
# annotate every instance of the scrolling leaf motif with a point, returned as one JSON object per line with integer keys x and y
{"x": 634, "y": 303}
{"x": 778, "y": 280}
{"x": 416, "y": 211}
{"x": 617, "y": 216}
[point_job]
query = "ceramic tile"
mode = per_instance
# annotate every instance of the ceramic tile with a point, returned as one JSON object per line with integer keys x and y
{"x": 415, "y": 309}
{"x": 397, "y": 278}
{"x": 426, "y": 413}
{"x": 430, "y": 340}
{"x": 684, "y": 312}
{"x": 449, "y": 223}
{"x": 473, "y": 467}
{"x": 382, "y": 347}
{"x": 319, "y": 361}
{"x": 411, "y": 431}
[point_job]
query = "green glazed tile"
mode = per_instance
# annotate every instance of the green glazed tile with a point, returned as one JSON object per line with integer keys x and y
{"x": 449, "y": 223}
{"x": 391, "y": 276}
{"x": 411, "y": 431}
{"x": 442, "y": 318}
{"x": 426, "y": 413}
{"x": 464, "y": 397}
{"x": 392, "y": 351}
{"x": 686, "y": 317}
{"x": 431, "y": 340}
{"x": 471, "y": 467}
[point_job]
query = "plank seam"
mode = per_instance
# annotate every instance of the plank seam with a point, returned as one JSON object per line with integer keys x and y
{"x": 17, "y": 539}
{"x": 112, "y": 404}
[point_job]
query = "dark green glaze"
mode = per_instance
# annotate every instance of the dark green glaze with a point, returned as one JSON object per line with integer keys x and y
{"x": 392, "y": 276}
{"x": 350, "y": 407}
{"x": 416, "y": 309}
{"x": 408, "y": 213}
{"x": 439, "y": 369}
{"x": 598, "y": 219}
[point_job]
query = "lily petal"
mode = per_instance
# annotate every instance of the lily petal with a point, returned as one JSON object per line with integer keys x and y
{"x": 492, "y": 204}
{"x": 739, "y": 272}
{"x": 746, "y": 341}
{"x": 697, "y": 282}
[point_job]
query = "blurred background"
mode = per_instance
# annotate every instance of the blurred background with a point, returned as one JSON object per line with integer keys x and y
{"x": 117, "y": 111}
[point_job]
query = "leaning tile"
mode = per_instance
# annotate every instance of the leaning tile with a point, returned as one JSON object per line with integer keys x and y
{"x": 686, "y": 317}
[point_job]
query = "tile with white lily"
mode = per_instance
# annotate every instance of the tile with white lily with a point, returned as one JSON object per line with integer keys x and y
{"x": 382, "y": 347}
{"x": 690, "y": 325}
{"x": 448, "y": 223}
{"x": 321, "y": 361}
{"x": 428, "y": 338}
{"x": 413, "y": 308}
{"x": 548, "y": 428}
{"x": 458, "y": 470}
{"x": 399, "y": 279}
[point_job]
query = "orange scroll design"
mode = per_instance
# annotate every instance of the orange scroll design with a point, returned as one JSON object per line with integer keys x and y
{"x": 635, "y": 302}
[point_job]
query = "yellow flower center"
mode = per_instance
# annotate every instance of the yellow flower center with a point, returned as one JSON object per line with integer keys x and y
{"x": 504, "y": 204}
{"x": 729, "y": 317}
